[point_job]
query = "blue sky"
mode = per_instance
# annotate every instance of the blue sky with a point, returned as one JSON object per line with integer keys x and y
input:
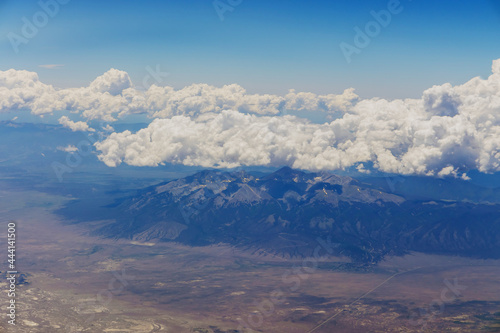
{"x": 265, "y": 46}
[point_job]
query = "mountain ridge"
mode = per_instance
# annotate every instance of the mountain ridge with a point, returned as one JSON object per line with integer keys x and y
{"x": 284, "y": 212}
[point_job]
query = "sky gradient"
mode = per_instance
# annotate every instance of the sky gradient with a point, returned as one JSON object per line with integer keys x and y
{"x": 403, "y": 87}
{"x": 264, "y": 46}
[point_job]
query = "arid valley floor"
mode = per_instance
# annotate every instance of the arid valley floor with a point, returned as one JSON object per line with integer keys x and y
{"x": 80, "y": 283}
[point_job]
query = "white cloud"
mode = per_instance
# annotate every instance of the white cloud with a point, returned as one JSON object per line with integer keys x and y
{"x": 227, "y": 139}
{"x": 68, "y": 149}
{"x": 23, "y": 90}
{"x": 445, "y": 133}
{"x": 113, "y": 82}
{"x": 112, "y": 95}
{"x": 230, "y": 139}
{"x": 309, "y": 101}
{"x": 202, "y": 98}
{"x": 75, "y": 126}
{"x": 108, "y": 128}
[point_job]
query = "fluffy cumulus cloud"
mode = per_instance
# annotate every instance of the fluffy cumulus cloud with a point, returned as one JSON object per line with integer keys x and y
{"x": 226, "y": 139}
{"x": 202, "y": 98}
{"x": 105, "y": 98}
{"x": 113, "y": 95}
{"x": 448, "y": 131}
{"x": 23, "y": 90}
{"x": 75, "y": 125}
{"x": 113, "y": 82}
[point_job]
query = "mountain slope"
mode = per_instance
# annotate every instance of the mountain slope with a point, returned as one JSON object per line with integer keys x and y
{"x": 285, "y": 212}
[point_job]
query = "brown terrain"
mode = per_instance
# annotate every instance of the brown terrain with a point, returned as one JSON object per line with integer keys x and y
{"x": 80, "y": 283}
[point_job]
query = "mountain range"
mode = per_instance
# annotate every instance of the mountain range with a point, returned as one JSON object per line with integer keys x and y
{"x": 285, "y": 212}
